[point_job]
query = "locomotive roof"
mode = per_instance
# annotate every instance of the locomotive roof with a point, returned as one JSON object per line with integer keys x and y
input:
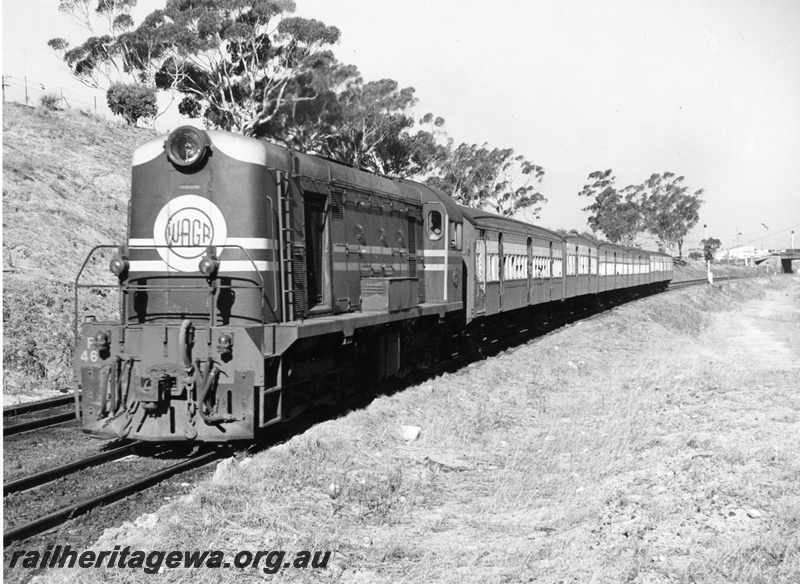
{"x": 306, "y": 166}
{"x": 483, "y": 219}
{"x": 333, "y": 173}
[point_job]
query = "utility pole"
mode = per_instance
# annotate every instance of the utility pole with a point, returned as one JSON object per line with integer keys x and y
{"x": 792, "y": 238}
{"x": 708, "y": 261}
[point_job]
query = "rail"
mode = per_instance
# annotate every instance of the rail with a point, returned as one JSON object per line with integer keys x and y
{"x": 38, "y": 424}
{"x": 63, "y": 515}
{"x": 127, "y": 288}
{"x": 49, "y": 475}
{"x": 15, "y": 412}
{"x": 699, "y": 281}
{"x": 37, "y": 406}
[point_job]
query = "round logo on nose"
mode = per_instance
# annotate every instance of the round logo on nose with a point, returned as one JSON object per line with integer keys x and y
{"x": 185, "y": 228}
{"x": 188, "y": 229}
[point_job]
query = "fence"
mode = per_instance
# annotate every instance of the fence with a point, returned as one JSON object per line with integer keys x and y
{"x": 30, "y": 92}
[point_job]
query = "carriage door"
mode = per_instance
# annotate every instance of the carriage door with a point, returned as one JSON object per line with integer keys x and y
{"x": 530, "y": 271}
{"x": 318, "y": 257}
{"x": 549, "y": 275}
{"x": 501, "y": 268}
{"x": 480, "y": 274}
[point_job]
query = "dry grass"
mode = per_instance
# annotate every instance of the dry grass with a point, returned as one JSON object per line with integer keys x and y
{"x": 694, "y": 270}
{"x": 638, "y": 446}
{"x": 65, "y": 189}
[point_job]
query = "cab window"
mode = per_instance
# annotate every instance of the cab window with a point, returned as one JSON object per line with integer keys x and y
{"x": 434, "y": 225}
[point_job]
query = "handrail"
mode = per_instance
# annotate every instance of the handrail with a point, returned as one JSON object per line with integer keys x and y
{"x": 124, "y": 289}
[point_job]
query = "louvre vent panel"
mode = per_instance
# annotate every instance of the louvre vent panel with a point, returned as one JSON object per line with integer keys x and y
{"x": 337, "y": 204}
{"x": 298, "y": 281}
{"x": 368, "y": 287}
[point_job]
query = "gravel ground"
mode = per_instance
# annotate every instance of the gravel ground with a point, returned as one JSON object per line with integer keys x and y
{"x": 32, "y": 452}
{"x": 82, "y": 531}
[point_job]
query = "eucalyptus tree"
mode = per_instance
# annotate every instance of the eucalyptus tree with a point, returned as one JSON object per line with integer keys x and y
{"x": 377, "y": 130}
{"x": 101, "y": 59}
{"x": 661, "y": 206}
{"x": 232, "y": 61}
{"x": 494, "y": 179}
{"x": 670, "y": 210}
{"x": 617, "y": 213}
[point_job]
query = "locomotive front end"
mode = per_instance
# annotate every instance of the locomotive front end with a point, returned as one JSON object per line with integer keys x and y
{"x": 196, "y": 284}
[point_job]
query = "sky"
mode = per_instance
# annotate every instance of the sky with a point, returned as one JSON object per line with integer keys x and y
{"x": 708, "y": 90}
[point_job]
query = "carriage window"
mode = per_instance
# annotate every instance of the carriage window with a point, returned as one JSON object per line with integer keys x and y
{"x": 434, "y": 225}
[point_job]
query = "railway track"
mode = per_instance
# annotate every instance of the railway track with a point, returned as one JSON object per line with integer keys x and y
{"x": 698, "y": 282}
{"x": 36, "y": 409}
{"x": 47, "y": 476}
{"x": 59, "y": 517}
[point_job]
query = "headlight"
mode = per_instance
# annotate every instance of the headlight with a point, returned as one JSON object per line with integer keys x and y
{"x": 187, "y": 146}
{"x": 119, "y": 266}
{"x": 208, "y": 266}
{"x": 102, "y": 340}
{"x": 225, "y": 344}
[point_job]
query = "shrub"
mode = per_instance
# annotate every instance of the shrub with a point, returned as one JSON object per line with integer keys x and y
{"x": 50, "y": 101}
{"x": 132, "y": 101}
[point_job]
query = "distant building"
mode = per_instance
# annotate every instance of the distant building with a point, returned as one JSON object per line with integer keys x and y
{"x": 744, "y": 252}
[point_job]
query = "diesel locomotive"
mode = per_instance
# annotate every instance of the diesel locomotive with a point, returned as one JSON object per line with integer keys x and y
{"x": 257, "y": 281}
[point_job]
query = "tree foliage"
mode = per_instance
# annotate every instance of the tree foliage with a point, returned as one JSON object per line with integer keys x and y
{"x": 373, "y": 130}
{"x": 231, "y": 60}
{"x": 492, "y": 179}
{"x": 670, "y": 211}
{"x": 106, "y": 60}
{"x": 249, "y": 66}
{"x": 617, "y": 213}
{"x": 103, "y": 57}
{"x": 234, "y": 61}
{"x": 710, "y": 247}
{"x": 370, "y": 125}
{"x": 132, "y": 101}
{"x": 661, "y": 207}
